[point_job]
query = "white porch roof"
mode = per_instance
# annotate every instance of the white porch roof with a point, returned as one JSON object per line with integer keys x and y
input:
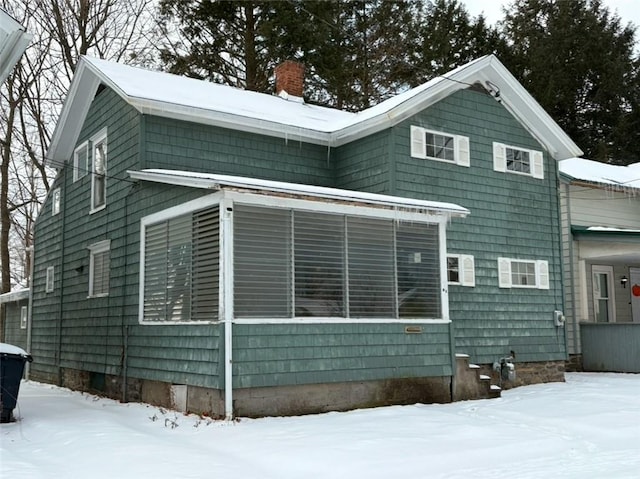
{"x": 216, "y": 182}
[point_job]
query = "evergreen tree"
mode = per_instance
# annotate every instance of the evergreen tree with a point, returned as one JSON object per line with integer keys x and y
{"x": 356, "y": 53}
{"x": 576, "y": 59}
{"x": 451, "y": 37}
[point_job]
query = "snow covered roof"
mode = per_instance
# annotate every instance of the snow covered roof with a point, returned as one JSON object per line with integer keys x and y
{"x": 601, "y": 173}
{"x": 14, "y": 296}
{"x": 13, "y": 42}
{"x": 215, "y": 182}
{"x": 172, "y": 96}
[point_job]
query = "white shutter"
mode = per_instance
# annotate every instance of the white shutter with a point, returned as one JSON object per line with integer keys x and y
{"x": 418, "y": 148}
{"x": 467, "y": 270}
{"x": 462, "y": 151}
{"x": 499, "y": 157}
{"x": 542, "y": 274}
{"x": 537, "y": 164}
{"x": 504, "y": 272}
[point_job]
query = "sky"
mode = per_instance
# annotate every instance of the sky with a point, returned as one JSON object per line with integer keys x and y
{"x": 587, "y": 427}
{"x": 628, "y": 10}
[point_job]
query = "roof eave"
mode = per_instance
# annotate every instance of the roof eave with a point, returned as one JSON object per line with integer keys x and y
{"x": 16, "y": 42}
{"x": 230, "y": 121}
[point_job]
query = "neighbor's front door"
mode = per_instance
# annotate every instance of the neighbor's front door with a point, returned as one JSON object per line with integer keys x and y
{"x": 603, "y": 299}
{"x": 634, "y": 284}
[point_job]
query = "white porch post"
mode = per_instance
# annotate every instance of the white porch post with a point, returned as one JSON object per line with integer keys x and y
{"x": 226, "y": 270}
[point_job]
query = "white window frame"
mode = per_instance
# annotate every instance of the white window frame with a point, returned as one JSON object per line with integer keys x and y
{"x": 541, "y": 273}
{"x": 24, "y": 317}
{"x": 94, "y": 250}
{"x": 536, "y": 160}
{"x": 466, "y": 270}
{"x": 80, "y": 170}
{"x": 96, "y": 141}
{"x": 56, "y": 197}
{"x": 49, "y": 284}
{"x": 461, "y": 151}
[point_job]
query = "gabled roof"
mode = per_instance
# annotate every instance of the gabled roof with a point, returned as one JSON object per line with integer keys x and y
{"x": 217, "y": 182}
{"x": 13, "y": 42}
{"x": 172, "y": 96}
{"x": 600, "y": 174}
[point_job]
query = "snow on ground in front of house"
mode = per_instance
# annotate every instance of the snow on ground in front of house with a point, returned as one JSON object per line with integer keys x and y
{"x": 588, "y": 427}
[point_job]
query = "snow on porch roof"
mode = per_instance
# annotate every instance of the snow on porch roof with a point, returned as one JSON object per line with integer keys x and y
{"x": 601, "y": 173}
{"x": 216, "y": 182}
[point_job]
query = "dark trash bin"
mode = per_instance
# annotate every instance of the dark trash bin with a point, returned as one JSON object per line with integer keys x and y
{"x": 12, "y": 361}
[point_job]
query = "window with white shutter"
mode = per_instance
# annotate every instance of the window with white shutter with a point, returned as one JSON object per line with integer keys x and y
{"x": 518, "y": 160}
{"x": 518, "y": 273}
{"x": 81, "y": 161}
{"x": 439, "y": 146}
{"x": 461, "y": 269}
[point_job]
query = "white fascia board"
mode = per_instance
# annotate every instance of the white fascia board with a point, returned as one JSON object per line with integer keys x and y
{"x": 519, "y": 102}
{"x": 228, "y": 120}
{"x": 13, "y": 42}
{"x": 74, "y": 111}
{"x": 395, "y": 115}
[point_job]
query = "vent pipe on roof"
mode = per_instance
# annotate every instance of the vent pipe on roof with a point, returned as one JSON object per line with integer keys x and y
{"x": 290, "y": 79}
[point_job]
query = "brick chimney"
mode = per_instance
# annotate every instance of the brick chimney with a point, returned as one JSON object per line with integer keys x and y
{"x": 289, "y": 79}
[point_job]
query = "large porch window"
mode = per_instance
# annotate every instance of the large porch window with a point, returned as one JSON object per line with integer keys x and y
{"x": 290, "y": 263}
{"x": 181, "y": 264}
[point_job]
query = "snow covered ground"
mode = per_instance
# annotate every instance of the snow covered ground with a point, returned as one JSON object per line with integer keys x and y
{"x": 588, "y": 427}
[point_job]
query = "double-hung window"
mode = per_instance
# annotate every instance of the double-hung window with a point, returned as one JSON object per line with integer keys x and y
{"x": 99, "y": 262}
{"x": 99, "y": 171}
{"x": 519, "y": 273}
{"x": 50, "y": 280}
{"x": 439, "y": 146}
{"x": 55, "y": 201}
{"x": 518, "y": 160}
{"x": 24, "y": 317}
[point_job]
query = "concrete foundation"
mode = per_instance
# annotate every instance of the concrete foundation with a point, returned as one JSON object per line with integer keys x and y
{"x": 306, "y": 399}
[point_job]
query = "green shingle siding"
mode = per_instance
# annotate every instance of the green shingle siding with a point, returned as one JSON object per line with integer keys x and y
{"x": 181, "y": 145}
{"x": 288, "y": 354}
{"x": 511, "y": 215}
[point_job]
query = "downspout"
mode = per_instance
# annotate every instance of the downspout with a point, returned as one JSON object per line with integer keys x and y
{"x": 32, "y": 250}
{"x": 561, "y": 252}
{"x": 572, "y": 272}
{"x": 444, "y": 299}
{"x": 63, "y": 211}
{"x": 125, "y": 327}
{"x": 226, "y": 271}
